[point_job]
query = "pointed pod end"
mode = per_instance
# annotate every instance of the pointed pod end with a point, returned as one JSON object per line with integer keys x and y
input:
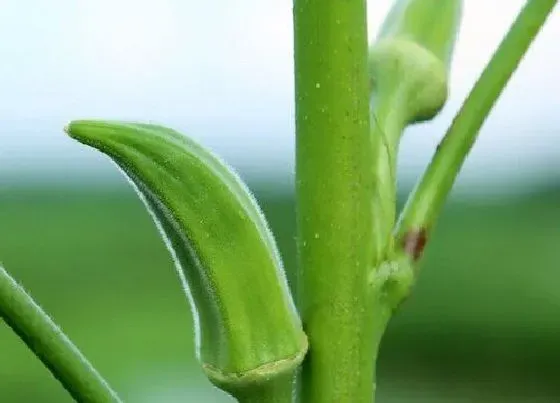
{"x": 101, "y": 134}
{"x": 74, "y": 127}
{"x": 82, "y": 130}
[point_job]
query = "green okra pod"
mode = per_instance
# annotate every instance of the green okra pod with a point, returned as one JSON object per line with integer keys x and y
{"x": 412, "y": 54}
{"x": 248, "y": 330}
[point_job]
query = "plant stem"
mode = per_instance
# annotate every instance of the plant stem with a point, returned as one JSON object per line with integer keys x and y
{"x": 50, "y": 345}
{"x": 427, "y": 200}
{"x": 334, "y": 185}
{"x": 387, "y": 124}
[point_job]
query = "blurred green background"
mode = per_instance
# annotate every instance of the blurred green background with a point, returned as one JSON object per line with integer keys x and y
{"x": 482, "y": 325}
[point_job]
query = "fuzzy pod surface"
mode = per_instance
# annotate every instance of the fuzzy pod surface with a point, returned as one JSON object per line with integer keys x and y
{"x": 247, "y": 329}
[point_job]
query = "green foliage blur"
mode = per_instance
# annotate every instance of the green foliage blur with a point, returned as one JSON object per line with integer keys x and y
{"x": 483, "y": 323}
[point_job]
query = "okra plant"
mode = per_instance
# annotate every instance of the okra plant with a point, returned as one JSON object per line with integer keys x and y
{"x": 357, "y": 259}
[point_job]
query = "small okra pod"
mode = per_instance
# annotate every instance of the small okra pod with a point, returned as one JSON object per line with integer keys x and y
{"x": 408, "y": 66}
{"x": 410, "y": 59}
{"x": 248, "y": 333}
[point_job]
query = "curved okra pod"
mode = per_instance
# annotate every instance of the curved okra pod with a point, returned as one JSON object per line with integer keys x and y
{"x": 249, "y": 334}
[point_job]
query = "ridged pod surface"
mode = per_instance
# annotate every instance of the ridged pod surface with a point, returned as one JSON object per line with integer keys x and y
{"x": 248, "y": 331}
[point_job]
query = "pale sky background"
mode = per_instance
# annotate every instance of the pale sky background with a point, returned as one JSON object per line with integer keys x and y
{"x": 221, "y": 71}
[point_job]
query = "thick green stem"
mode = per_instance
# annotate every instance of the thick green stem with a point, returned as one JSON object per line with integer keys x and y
{"x": 335, "y": 183}
{"x": 427, "y": 200}
{"x": 50, "y": 345}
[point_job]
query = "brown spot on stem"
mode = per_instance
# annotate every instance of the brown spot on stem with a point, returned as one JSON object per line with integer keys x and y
{"x": 413, "y": 242}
